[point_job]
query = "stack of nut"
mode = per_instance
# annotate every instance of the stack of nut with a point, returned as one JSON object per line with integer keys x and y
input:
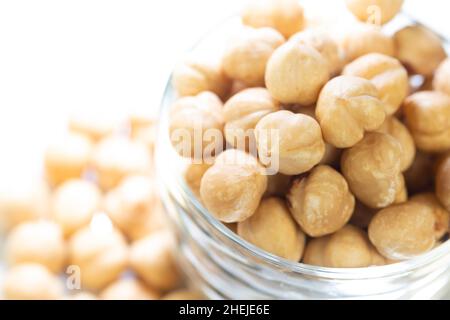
{"x": 95, "y": 229}
{"x": 363, "y": 157}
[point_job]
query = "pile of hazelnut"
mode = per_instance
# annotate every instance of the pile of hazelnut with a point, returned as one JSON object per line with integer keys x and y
{"x": 95, "y": 229}
{"x": 363, "y": 156}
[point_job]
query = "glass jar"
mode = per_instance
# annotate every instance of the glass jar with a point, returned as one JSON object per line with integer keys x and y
{"x": 223, "y": 266}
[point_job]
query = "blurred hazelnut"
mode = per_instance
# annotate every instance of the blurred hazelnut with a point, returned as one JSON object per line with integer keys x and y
{"x": 82, "y": 296}
{"x": 95, "y": 126}
{"x": 374, "y": 11}
{"x": 418, "y": 177}
{"x": 321, "y": 203}
{"x": 443, "y": 182}
{"x": 441, "y": 80}
{"x": 128, "y": 289}
{"x": 183, "y": 294}
{"x": 272, "y": 229}
{"x": 314, "y": 251}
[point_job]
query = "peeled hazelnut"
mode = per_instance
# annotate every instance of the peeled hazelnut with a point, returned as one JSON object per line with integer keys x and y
{"x": 272, "y": 229}
{"x": 233, "y": 187}
{"x": 243, "y": 111}
{"x": 101, "y": 255}
{"x": 116, "y": 157}
{"x": 441, "y": 80}
{"x": 67, "y": 158}
{"x": 347, "y": 108}
{"x": 296, "y": 73}
{"x": 246, "y": 56}
{"x": 153, "y": 261}
{"x": 95, "y": 126}
{"x": 366, "y": 39}
{"x": 195, "y": 76}
{"x": 284, "y": 15}
{"x": 193, "y": 176}
{"x": 443, "y": 182}
{"x": 402, "y": 192}
{"x": 441, "y": 215}
{"x": 294, "y": 140}
{"x": 374, "y": 11}
{"x": 195, "y": 118}
{"x": 74, "y": 203}
{"x": 31, "y": 281}
{"x": 377, "y": 258}
{"x": 314, "y": 251}
{"x": 183, "y": 294}
{"x": 362, "y": 215}
{"x": 418, "y": 176}
{"x": 372, "y": 169}
{"x": 128, "y": 289}
{"x": 427, "y": 116}
{"x": 348, "y": 248}
{"x": 419, "y": 49}
{"x": 321, "y": 203}
{"x": 398, "y": 130}
{"x": 388, "y": 76}
{"x": 403, "y": 231}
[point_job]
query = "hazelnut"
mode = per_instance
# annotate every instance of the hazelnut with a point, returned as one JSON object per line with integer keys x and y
{"x": 284, "y": 15}
{"x": 418, "y": 176}
{"x": 31, "y": 281}
{"x": 101, "y": 255}
{"x": 427, "y": 116}
{"x": 443, "y": 182}
{"x": 243, "y": 111}
{"x": 278, "y": 185}
{"x": 233, "y": 187}
{"x": 272, "y": 229}
{"x": 402, "y": 192}
{"x": 372, "y": 169}
{"x": 37, "y": 242}
{"x": 128, "y": 289}
{"x": 419, "y": 49}
{"x": 441, "y": 80}
{"x": 294, "y": 140}
{"x": 347, "y": 108}
{"x": 314, "y": 251}
{"x": 95, "y": 126}
{"x": 441, "y": 215}
{"x": 74, "y": 203}
{"x": 388, "y": 76}
{"x": 192, "y": 119}
{"x": 321, "y": 203}
{"x": 362, "y": 215}
{"x": 117, "y": 157}
{"x": 403, "y": 231}
{"x": 374, "y": 11}
{"x": 296, "y": 73}
{"x": 183, "y": 294}
{"x": 377, "y": 258}
{"x": 246, "y": 56}
{"x": 193, "y": 176}
{"x": 153, "y": 261}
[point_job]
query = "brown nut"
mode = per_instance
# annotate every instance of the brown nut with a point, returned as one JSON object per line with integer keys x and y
{"x": 365, "y": 39}
{"x": 377, "y": 258}
{"x": 243, "y": 111}
{"x": 195, "y": 75}
{"x": 419, "y": 49}
{"x": 372, "y": 169}
{"x": 321, "y": 203}
{"x": 153, "y": 261}
{"x": 128, "y": 289}
{"x": 272, "y": 229}
{"x": 314, "y": 251}
{"x": 183, "y": 294}
{"x": 101, "y": 255}
{"x": 233, "y": 187}
{"x": 67, "y": 158}
{"x": 403, "y": 231}
{"x": 348, "y": 248}
{"x": 194, "y": 118}
{"x": 296, "y": 73}
{"x": 441, "y": 80}
{"x": 362, "y": 215}
{"x": 388, "y": 76}
{"x": 37, "y": 242}
{"x": 399, "y": 131}
{"x": 443, "y": 182}
{"x": 95, "y": 126}
{"x": 31, "y": 281}
{"x": 402, "y": 192}
{"x": 427, "y": 116}
{"x": 374, "y": 11}
{"x": 286, "y": 16}
{"x": 74, "y": 203}
{"x": 347, "y": 108}
{"x": 441, "y": 215}
{"x": 246, "y": 56}
{"x": 293, "y": 140}
{"x": 418, "y": 177}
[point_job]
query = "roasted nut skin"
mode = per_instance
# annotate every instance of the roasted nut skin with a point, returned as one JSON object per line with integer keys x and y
{"x": 321, "y": 203}
{"x": 372, "y": 169}
{"x": 443, "y": 182}
{"x": 298, "y": 143}
{"x": 246, "y": 56}
{"x": 272, "y": 228}
{"x": 348, "y": 107}
{"x": 419, "y": 49}
{"x": 388, "y": 76}
{"x": 427, "y": 116}
{"x": 296, "y": 73}
{"x": 403, "y": 231}
{"x": 361, "y": 9}
{"x": 233, "y": 187}
{"x": 441, "y": 81}
{"x": 314, "y": 251}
